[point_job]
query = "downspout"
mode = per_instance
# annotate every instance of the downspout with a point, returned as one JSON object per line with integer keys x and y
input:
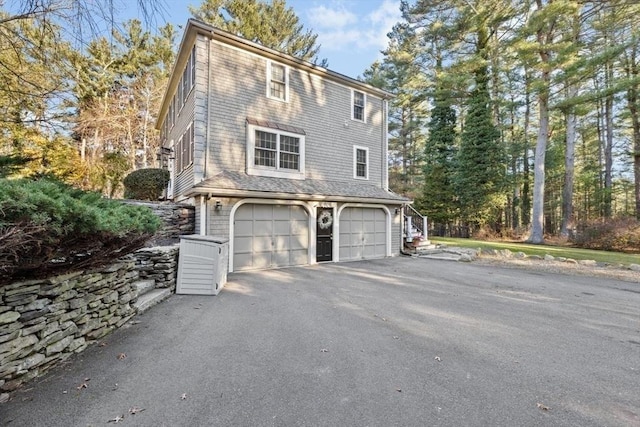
{"x": 203, "y": 215}
{"x": 385, "y": 145}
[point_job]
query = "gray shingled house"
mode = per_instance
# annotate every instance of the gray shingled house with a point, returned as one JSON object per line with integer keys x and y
{"x": 285, "y": 158}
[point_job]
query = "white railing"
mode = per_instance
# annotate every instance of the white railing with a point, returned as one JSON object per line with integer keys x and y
{"x": 415, "y": 224}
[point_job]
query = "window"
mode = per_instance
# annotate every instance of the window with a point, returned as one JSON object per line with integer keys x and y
{"x": 358, "y": 101}
{"x": 361, "y": 162}
{"x": 184, "y": 149}
{"x": 277, "y": 81}
{"x": 275, "y": 153}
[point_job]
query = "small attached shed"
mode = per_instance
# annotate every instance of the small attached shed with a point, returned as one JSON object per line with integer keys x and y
{"x": 202, "y": 264}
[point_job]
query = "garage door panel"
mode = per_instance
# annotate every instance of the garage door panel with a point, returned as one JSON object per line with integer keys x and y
{"x": 261, "y": 244}
{"x": 244, "y": 227}
{"x": 299, "y": 227}
{"x": 243, "y": 244}
{"x": 270, "y": 236}
{"x": 281, "y": 227}
{"x": 299, "y": 257}
{"x": 363, "y": 233}
{"x": 263, "y": 227}
{"x": 281, "y": 243}
{"x": 369, "y": 226}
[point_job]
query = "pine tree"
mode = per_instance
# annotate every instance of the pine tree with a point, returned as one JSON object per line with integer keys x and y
{"x": 439, "y": 201}
{"x": 273, "y": 25}
{"x": 480, "y": 179}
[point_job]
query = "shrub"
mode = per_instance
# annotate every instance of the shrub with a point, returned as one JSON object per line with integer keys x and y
{"x": 49, "y": 227}
{"x": 620, "y": 235}
{"x": 146, "y": 184}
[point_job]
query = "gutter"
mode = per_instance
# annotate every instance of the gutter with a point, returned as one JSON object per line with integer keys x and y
{"x": 290, "y": 196}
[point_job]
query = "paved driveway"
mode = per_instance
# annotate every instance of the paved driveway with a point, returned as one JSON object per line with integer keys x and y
{"x": 389, "y": 342}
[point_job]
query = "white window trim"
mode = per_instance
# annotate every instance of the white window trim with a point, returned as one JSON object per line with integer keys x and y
{"x": 286, "y": 82}
{"x": 364, "y": 107}
{"x": 355, "y": 162}
{"x": 252, "y": 169}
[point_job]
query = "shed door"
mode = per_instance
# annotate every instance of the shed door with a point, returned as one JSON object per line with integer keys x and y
{"x": 363, "y": 234}
{"x": 267, "y": 236}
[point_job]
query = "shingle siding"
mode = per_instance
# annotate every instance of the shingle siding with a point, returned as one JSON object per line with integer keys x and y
{"x": 238, "y": 89}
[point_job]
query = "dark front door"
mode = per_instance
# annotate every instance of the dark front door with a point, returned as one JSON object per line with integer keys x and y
{"x": 324, "y": 234}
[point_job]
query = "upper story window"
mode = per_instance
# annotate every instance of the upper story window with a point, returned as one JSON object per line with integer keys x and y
{"x": 358, "y": 100}
{"x": 360, "y": 162}
{"x": 184, "y": 149}
{"x": 274, "y": 152}
{"x": 277, "y": 81}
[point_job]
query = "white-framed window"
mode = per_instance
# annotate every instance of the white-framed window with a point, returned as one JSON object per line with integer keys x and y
{"x": 277, "y": 81}
{"x": 360, "y": 162}
{"x": 358, "y": 102}
{"x": 275, "y": 153}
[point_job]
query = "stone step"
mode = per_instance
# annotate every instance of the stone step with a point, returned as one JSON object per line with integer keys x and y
{"x": 151, "y": 298}
{"x": 144, "y": 286}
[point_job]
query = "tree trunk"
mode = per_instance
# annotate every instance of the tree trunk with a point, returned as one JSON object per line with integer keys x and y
{"x": 526, "y": 197}
{"x": 537, "y": 224}
{"x": 569, "y": 162}
{"x": 631, "y": 70}
{"x": 608, "y": 148}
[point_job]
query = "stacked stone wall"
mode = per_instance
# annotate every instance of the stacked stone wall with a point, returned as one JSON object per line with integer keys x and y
{"x": 43, "y": 322}
{"x": 159, "y": 263}
{"x": 178, "y": 218}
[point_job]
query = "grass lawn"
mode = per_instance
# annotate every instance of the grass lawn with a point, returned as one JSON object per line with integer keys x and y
{"x": 542, "y": 250}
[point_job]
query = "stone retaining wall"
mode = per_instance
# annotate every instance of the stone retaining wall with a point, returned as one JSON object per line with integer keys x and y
{"x": 159, "y": 263}
{"x": 178, "y": 218}
{"x": 43, "y": 322}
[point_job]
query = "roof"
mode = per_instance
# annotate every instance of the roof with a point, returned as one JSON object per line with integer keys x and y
{"x": 240, "y": 184}
{"x": 195, "y": 27}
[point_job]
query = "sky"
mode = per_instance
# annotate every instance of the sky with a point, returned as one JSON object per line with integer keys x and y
{"x": 351, "y": 32}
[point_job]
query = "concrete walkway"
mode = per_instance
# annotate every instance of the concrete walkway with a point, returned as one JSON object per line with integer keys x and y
{"x": 392, "y": 342}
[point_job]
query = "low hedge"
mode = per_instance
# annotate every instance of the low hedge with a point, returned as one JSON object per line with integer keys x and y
{"x": 146, "y": 184}
{"x": 50, "y": 227}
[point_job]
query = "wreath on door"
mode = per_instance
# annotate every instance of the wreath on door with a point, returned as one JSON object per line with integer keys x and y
{"x": 325, "y": 220}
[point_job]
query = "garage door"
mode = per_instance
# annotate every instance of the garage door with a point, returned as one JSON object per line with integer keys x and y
{"x": 363, "y": 233}
{"x": 267, "y": 236}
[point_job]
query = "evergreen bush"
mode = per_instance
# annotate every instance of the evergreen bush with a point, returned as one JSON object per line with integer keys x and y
{"x": 146, "y": 184}
{"x": 50, "y": 227}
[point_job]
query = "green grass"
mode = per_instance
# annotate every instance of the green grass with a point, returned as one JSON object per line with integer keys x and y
{"x": 542, "y": 250}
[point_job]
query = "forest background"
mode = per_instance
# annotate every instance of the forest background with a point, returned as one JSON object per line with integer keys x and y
{"x": 511, "y": 118}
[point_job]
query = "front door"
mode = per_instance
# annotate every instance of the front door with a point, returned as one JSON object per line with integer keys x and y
{"x": 324, "y": 235}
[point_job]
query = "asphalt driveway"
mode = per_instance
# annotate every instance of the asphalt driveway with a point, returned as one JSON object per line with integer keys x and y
{"x": 393, "y": 342}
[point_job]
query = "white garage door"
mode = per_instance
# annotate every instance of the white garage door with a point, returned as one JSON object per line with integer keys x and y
{"x": 267, "y": 236}
{"x": 363, "y": 233}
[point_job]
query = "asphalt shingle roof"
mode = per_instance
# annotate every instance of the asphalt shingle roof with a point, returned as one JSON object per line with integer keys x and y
{"x": 312, "y": 187}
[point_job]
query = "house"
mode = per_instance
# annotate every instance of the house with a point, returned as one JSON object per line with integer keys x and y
{"x": 285, "y": 158}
